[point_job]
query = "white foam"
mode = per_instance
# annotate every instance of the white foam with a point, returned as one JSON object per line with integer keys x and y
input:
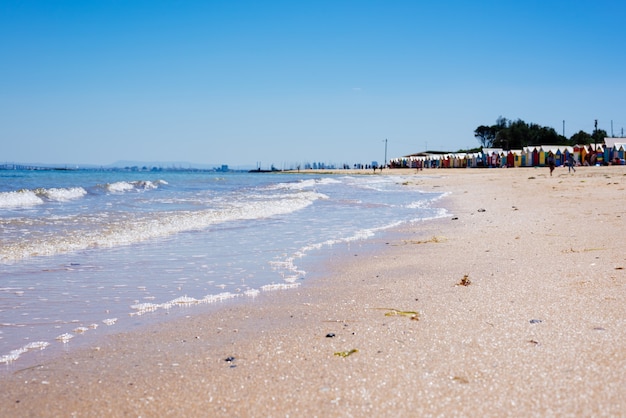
{"x": 147, "y": 184}
{"x": 125, "y": 186}
{"x": 279, "y": 286}
{"x": 305, "y": 184}
{"x": 28, "y": 198}
{"x": 62, "y": 195}
{"x": 36, "y": 345}
{"x": 252, "y": 292}
{"x": 64, "y": 338}
{"x": 15, "y": 354}
{"x": 438, "y": 214}
{"x": 12, "y": 356}
{"x": 156, "y": 225}
{"x": 143, "y": 308}
{"x": 19, "y": 199}
{"x": 119, "y": 187}
{"x": 184, "y": 301}
{"x": 109, "y": 321}
{"x": 422, "y": 204}
{"x": 288, "y": 266}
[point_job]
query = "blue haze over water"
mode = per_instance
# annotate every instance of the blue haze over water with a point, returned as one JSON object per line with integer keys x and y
{"x": 85, "y": 250}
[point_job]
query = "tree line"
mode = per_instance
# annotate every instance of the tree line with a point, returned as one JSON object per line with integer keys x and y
{"x": 509, "y": 134}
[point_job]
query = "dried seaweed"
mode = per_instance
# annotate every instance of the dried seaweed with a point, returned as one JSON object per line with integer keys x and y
{"x": 465, "y": 281}
{"x": 584, "y": 250}
{"x": 434, "y": 239}
{"x": 413, "y": 315}
{"x": 346, "y": 353}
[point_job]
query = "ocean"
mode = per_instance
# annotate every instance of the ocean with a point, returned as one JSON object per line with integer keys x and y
{"x": 86, "y": 252}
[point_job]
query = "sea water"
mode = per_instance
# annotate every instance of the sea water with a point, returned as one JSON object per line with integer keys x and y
{"x": 87, "y": 250}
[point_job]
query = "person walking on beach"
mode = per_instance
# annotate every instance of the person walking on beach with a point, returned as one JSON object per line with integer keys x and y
{"x": 570, "y": 162}
{"x": 551, "y": 162}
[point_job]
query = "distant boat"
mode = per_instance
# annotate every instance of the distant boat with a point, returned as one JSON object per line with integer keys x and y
{"x": 258, "y": 170}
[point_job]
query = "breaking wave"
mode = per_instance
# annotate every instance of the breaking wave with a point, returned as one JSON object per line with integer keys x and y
{"x": 125, "y": 186}
{"x": 28, "y": 198}
{"x": 107, "y": 232}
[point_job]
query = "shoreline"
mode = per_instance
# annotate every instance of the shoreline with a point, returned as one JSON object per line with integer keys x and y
{"x": 538, "y": 332}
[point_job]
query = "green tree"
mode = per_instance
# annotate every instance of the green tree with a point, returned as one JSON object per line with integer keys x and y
{"x": 486, "y": 135}
{"x": 502, "y": 122}
{"x": 581, "y": 138}
{"x": 517, "y": 134}
{"x": 598, "y": 136}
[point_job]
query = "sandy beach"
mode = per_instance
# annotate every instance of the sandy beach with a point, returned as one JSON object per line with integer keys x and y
{"x": 511, "y": 306}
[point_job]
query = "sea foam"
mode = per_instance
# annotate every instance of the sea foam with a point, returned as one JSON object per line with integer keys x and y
{"x": 20, "y": 198}
{"x": 139, "y": 227}
{"x": 62, "y": 195}
{"x": 15, "y": 354}
{"x": 28, "y": 198}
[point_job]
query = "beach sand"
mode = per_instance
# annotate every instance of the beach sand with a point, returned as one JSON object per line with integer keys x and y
{"x": 540, "y": 330}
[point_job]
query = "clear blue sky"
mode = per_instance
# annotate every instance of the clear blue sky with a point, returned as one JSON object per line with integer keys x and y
{"x": 241, "y": 82}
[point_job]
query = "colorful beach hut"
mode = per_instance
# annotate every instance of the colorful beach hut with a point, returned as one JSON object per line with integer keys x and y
{"x": 614, "y": 150}
{"x": 559, "y": 151}
{"x": 491, "y": 156}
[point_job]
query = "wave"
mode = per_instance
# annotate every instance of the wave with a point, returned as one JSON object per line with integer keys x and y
{"x": 304, "y": 184}
{"x": 125, "y": 186}
{"x": 15, "y": 354}
{"x": 26, "y": 198}
{"x": 29, "y": 198}
{"x": 293, "y": 273}
{"x": 61, "y": 195}
{"x": 142, "y": 308}
{"x": 421, "y": 204}
{"x": 19, "y": 199}
{"x": 105, "y": 232}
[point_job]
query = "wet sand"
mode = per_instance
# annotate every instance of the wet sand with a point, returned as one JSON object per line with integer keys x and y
{"x": 537, "y": 328}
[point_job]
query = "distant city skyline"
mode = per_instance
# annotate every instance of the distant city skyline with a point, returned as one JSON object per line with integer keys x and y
{"x": 245, "y": 83}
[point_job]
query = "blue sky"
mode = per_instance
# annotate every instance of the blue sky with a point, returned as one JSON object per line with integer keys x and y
{"x": 286, "y": 82}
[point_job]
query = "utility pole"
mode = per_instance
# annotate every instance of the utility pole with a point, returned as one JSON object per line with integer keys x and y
{"x": 595, "y": 146}
{"x": 385, "y": 153}
{"x": 563, "y": 128}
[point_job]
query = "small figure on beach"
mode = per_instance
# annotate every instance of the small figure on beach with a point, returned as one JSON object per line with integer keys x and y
{"x": 551, "y": 162}
{"x": 570, "y": 162}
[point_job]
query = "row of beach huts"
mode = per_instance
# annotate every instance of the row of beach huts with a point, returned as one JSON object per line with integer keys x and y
{"x": 612, "y": 151}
